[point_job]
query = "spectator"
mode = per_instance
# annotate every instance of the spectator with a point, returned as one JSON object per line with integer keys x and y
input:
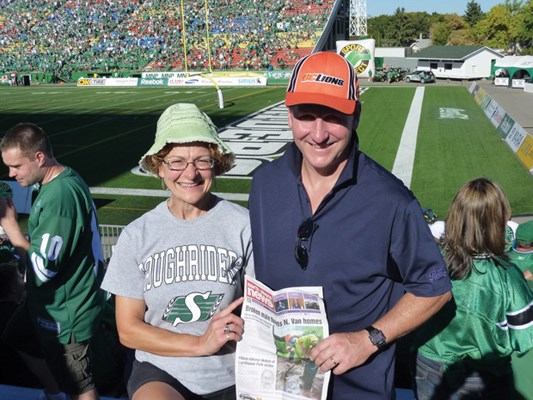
{"x": 64, "y": 301}
{"x": 325, "y": 214}
{"x": 522, "y": 253}
{"x": 177, "y": 272}
{"x": 466, "y": 348}
{"x": 22, "y": 362}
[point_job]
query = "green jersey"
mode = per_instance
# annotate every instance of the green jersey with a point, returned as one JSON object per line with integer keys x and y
{"x": 66, "y": 258}
{"x": 524, "y": 260}
{"x": 490, "y": 318}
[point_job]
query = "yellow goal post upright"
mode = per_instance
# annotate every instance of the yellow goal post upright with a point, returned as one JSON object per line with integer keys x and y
{"x": 185, "y": 59}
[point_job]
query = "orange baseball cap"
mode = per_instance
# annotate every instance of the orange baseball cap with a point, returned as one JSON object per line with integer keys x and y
{"x": 324, "y": 78}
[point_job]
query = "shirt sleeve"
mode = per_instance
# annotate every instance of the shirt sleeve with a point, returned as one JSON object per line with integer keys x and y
{"x": 519, "y": 310}
{"x": 123, "y": 276}
{"x": 421, "y": 266}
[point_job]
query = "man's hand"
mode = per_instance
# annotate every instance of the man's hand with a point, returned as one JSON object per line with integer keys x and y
{"x": 342, "y": 351}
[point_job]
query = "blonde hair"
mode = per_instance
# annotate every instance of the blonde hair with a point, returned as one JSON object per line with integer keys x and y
{"x": 475, "y": 226}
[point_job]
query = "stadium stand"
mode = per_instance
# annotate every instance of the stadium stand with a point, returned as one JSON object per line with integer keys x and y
{"x": 61, "y": 37}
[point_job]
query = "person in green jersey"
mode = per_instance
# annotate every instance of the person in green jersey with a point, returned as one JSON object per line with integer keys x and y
{"x": 466, "y": 347}
{"x": 522, "y": 255}
{"x": 63, "y": 255}
{"x": 522, "y": 252}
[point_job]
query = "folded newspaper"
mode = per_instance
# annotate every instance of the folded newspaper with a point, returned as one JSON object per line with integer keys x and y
{"x": 280, "y": 329}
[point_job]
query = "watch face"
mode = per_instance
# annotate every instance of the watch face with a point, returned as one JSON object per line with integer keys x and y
{"x": 377, "y": 337}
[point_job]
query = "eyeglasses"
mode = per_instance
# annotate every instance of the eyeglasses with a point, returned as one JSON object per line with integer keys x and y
{"x": 178, "y": 164}
{"x": 305, "y": 231}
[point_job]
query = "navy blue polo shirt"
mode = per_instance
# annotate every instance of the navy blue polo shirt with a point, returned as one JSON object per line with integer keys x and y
{"x": 370, "y": 246}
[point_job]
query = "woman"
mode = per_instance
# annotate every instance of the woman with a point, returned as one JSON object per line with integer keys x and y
{"x": 467, "y": 348}
{"x": 177, "y": 271}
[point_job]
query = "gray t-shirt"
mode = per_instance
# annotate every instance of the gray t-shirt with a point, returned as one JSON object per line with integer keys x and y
{"x": 185, "y": 271}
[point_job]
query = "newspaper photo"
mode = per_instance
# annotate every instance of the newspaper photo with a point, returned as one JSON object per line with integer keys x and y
{"x": 280, "y": 329}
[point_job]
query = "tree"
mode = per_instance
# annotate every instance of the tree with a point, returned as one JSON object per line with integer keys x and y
{"x": 451, "y": 29}
{"x": 525, "y": 29}
{"x": 440, "y": 32}
{"x": 473, "y": 13}
{"x": 378, "y": 27}
{"x": 500, "y": 28}
{"x": 420, "y": 23}
{"x": 400, "y": 32}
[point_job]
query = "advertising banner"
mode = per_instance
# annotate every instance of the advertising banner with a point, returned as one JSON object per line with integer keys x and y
{"x": 153, "y": 82}
{"x": 165, "y": 74}
{"x": 506, "y": 125}
{"x": 490, "y": 107}
{"x": 501, "y": 82}
{"x": 515, "y": 137}
{"x": 91, "y": 82}
{"x": 525, "y": 152}
{"x": 120, "y": 82}
{"x": 278, "y": 77}
{"x": 497, "y": 116}
{"x": 116, "y": 82}
{"x": 360, "y": 53}
{"x": 202, "y": 80}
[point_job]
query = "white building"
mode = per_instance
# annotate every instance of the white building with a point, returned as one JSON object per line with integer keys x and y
{"x": 457, "y": 62}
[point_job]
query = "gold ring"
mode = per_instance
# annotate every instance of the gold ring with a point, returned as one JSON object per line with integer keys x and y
{"x": 227, "y": 329}
{"x": 333, "y": 361}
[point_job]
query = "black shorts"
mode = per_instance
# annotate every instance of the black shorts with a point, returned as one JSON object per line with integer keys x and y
{"x": 144, "y": 372}
{"x": 70, "y": 365}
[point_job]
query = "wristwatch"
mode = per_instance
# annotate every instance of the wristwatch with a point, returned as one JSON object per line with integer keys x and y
{"x": 377, "y": 337}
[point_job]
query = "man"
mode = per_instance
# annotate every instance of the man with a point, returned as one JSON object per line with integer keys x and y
{"x": 325, "y": 214}
{"x": 63, "y": 255}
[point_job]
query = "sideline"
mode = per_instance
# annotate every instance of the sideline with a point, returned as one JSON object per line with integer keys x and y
{"x": 405, "y": 157}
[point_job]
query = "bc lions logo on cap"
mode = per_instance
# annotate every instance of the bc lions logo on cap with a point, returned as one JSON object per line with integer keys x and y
{"x": 323, "y": 78}
{"x": 317, "y": 77}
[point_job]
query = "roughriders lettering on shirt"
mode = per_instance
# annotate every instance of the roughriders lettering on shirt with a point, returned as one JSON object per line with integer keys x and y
{"x": 190, "y": 263}
{"x": 316, "y": 77}
{"x": 258, "y": 294}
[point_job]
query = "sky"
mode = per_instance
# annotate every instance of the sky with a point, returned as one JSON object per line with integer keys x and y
{"x": 379, "y": 7}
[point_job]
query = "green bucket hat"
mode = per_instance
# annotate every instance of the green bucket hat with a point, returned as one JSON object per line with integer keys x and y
{"x": 184, "y": 123}
{"x": 524, "y": 233}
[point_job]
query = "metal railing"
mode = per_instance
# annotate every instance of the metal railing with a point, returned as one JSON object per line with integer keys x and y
{"x": 109, "y": 235}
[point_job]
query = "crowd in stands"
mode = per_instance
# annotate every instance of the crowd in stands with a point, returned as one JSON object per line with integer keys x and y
{"x": 113, "y": 35}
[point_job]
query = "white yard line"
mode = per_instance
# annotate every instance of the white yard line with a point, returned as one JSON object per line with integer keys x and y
{"x": 159, "y": 193}
{"x": 405, "y": 158}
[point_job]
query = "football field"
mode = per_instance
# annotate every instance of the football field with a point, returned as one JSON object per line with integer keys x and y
{"x": 434, "y": 138}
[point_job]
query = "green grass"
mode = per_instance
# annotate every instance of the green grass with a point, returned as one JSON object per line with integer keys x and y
{"x": 452, "y": 151}
{"x": 103, "y": 132}
{"x": 384, "y": 111}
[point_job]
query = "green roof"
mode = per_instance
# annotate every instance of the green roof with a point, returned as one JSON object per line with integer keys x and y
{"x": 448, "y": 52}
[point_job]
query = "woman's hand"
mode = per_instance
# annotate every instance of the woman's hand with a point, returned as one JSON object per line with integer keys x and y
{"x": 224, "y": 326}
